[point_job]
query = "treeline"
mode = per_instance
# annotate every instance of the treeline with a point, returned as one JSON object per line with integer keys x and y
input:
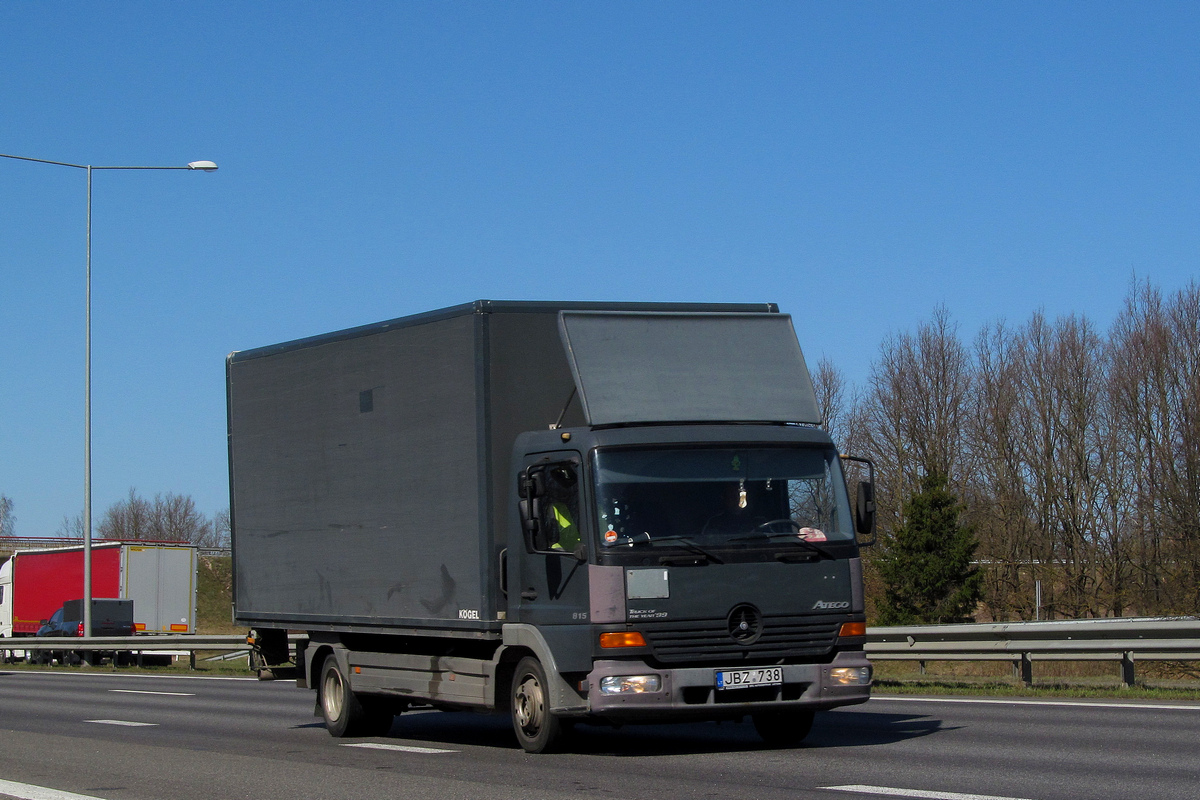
{"x": 1074, "y": 453}
{"x": 169, "y": 517}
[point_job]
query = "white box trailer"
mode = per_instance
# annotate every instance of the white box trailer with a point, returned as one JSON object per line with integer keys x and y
{"x": 161, "y": 582}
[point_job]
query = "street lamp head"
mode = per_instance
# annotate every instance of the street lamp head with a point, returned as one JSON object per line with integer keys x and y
{"x": 203, "y": 166}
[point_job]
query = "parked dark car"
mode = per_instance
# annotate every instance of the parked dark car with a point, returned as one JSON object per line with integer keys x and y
{"x": 55, "y": 626}
{"x": 110, "y": 617}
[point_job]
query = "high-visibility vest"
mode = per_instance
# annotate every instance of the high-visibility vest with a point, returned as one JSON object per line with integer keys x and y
{"x": 568, "y": 534}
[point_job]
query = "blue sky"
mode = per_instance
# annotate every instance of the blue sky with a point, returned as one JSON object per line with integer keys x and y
{"x": 856, "y": 163}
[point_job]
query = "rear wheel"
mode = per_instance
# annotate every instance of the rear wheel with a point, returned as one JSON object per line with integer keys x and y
{"x": 783, "y": 728}
{"x": 344, "y": 712}
{"x": 538, "y": 730}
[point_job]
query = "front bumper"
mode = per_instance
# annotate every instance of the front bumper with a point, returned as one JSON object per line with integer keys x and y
{"x": 691, "y": 693}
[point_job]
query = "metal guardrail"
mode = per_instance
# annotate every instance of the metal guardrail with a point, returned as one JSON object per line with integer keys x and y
{"x": 148, "y": 643}
{"x": 1125, "y": 640}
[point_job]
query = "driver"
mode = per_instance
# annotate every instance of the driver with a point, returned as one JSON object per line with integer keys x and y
{"x": 560, "y": 512}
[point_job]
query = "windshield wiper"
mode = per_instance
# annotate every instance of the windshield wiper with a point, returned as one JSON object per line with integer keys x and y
{"x": 685, "y": 541}
{"x": 786, "y": 537}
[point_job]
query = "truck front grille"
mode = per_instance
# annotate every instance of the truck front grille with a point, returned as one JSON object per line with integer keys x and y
{"x": 710, "y": 640}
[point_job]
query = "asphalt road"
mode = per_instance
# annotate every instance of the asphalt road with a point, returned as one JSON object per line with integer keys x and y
{"x": 162, "y": 738}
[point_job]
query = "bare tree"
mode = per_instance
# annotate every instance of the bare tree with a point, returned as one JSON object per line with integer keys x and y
{"x": 128, "y": 519}
{"x": 1155, "y": 396}
{"x": 221, "y": 529}
{"x": 8, "y": 521}
{"x": 998, "y": 501}
{"x": 169, "y": 517}
{"x": 175, "y": 517}
{"x": 832, "y": 400}
{"x": 71, "y": 527}
{"x": 915, "y": 409}
{"x": 1081, "y": 489}
{"x": 910, "y": 422}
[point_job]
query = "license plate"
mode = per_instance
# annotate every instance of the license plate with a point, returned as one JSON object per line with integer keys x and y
{"x": 745, "y": 678}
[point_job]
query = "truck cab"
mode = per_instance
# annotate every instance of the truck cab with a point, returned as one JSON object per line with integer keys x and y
{"x": 706, "y": 574}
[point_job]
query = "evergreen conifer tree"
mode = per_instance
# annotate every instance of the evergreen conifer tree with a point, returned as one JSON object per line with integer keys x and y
{"x": 926, "y": 563}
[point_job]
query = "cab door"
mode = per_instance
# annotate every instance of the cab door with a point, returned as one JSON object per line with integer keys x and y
{"x": 552, "y": 583}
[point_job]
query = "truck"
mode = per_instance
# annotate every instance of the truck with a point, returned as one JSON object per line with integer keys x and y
{"x": 159, "y": 578}
{"x": 602, "y": 513}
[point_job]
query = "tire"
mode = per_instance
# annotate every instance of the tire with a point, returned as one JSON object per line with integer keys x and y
{"x": 537, "y": 730}
{"x": 783, "y": 728}
{"x": 344, "y": 711}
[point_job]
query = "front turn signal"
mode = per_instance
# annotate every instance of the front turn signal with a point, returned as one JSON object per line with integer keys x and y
{"x": 622, "y": 639}
{"x": 853, "y": 629}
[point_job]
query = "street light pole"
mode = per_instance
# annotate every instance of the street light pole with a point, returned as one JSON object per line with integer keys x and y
{"x": 201, "y": 166}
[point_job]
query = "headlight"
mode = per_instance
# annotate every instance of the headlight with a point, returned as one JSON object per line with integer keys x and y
{"x": 626, "y": 684}
{"x": 850, "y": 676}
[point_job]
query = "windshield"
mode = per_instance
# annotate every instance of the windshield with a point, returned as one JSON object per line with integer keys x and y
{"x": 711, "y": 497}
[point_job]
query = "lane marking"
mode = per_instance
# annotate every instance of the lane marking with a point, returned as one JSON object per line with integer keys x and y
{"x": 141, "y": 691}
{"x": 402, "y": 748}
{"x": 124, "y": 722}
{"x": 928, "y": 795}
{"x": 1059, "y": 703}
{"x": 27, "y": 791}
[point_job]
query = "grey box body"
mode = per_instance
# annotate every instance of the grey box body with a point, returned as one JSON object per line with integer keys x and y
{"x": 161, "y": 582}
{"x": 370, "y": 483}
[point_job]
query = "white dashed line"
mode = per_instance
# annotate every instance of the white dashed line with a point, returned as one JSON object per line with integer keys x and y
{"x": 165, "y": 694}
{"x": 401, "y": 748}
{"x": 124, "y": 722}
{"x": 889, "y": 791}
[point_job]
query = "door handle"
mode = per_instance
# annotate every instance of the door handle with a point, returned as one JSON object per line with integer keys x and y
{"x": 529, "y": 594}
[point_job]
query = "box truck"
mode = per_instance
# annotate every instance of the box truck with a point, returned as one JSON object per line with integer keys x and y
{"x": 567, "y": 512}
{"x": 160, "y": 579}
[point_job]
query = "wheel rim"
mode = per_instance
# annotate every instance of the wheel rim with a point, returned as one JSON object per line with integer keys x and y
{"x": 331, "y": 695}
{"x": 530, "y": 705}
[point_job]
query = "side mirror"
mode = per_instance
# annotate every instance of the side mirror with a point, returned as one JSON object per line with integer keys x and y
{"x": 531, "y": 485}
{"x": 864, "y": 506}
{"x": 531, "y": 513}
{"x": 864, "y": 510}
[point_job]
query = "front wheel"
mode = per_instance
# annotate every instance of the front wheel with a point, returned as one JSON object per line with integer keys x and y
{"x": 783, "y": 729}
{"x": 342, "y": 709}
{"x": 537, "y": 729}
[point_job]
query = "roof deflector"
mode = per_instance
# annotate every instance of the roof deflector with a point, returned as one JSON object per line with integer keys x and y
{"x": 635, "y": 367}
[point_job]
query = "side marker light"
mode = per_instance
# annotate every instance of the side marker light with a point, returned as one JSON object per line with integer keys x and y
{"x": 622, "y": 639}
